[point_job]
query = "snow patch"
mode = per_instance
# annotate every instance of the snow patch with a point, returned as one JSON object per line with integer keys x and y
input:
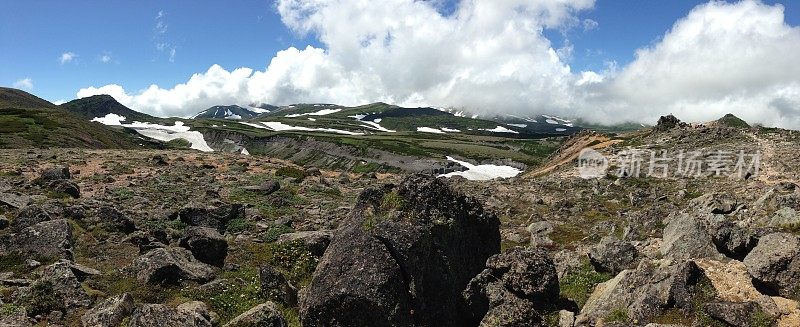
{"x": 312, "y": 119}
{"x": 376, "y": 126}
{"x": 110, "y": 120}
{"x": 245, "y": 152}
{"x": 518, "y": 125}
{"x": 280, "y": 127}
{"x": 450, "y": 130}
{"x": 430, "y": 130}
{"x": 482, "y": 172}
{"x": 322, "y": 112}
{"x": 500, "y": 129}
{"x": 160, "y": 132}
{"x": 561, "y": 129}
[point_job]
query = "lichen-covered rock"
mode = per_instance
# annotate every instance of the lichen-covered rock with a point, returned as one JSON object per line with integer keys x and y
{"x": 315, "y": 241}
{"x": 216, "y": 216}
{"x": 29, "y": 216}
{"x": 49, "y": 239}
{"x": 265, "y": 314}
{"x": 159, "y": 315}
{"x": 170, "y": 266}
{"x": 63, "y": 186}
{"x": 275, "y": 286}
{"x": 686, "y": 237}
{"x": 402, "y": 258}
{"x": 206, "y": 244}
{"x": 775, "y": 264}
{"x": 110, "y": 312}
{"x": 53, "y": 174}
{"x": 113, "y": 220}
{"x": 612, "y": 255}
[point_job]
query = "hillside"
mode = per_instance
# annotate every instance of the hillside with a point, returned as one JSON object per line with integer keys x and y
{"x": 229, "y": 112}
{"x": 27, "y": 121}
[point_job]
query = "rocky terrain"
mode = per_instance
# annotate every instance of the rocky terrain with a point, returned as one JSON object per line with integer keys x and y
{"x": 152, "y": 237}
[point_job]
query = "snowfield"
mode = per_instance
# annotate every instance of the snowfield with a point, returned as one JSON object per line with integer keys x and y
{"x": 279, "y": 127}
{"x": 451, "y": 130}
{"x": 430, "y": 130}
{"x": 160, "y": 132}
{"x": 500, "y": 129}
{"x": 376, "y": 126}
{"x": 322, "y": 112}
{"x": 482, "y": 172}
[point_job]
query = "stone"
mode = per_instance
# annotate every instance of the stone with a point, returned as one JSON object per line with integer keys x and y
{"x": 29, "y": 216}
{"x": 63, "y": 186}
{"x": 275, "y": 286}
{"x": 732, "y": 313}
{"x": 66, "y": 284}
{"x": 199, "y": 308}
{"x": 613, "y": 256}
{"x": 265, "y": 314}
{"x": 113, "y": 220}
{"x": 403, "y": 257}
{"x": 216, "y": 217}
{"x": 206, "y": 244}
{"x": 110, "y": 312}
{"x": 53, "y": 174}
{"x": 685, "y": 237}
{"x": 170, "y": 266}
{"x": 775, "y": 265}
{"x": 315, "y": 241}
{"x": 15, "y": 200}
{"x": 265, "y": 188}
{"x": 50, "y": 239}
{"x": 159, "y": 315}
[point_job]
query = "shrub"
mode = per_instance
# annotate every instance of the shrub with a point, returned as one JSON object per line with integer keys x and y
{"x": 578, "y": 285}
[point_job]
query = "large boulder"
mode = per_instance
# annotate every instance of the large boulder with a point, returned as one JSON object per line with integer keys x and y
{"x": 53, "y": 174}
{"x": 687, "y": 237}
{"x": 170, "y": 266}
{"x": 613, "y": 256}
{"x": 265, "y": 314}
{"x": 14, "y": 200}
{"x": 315, "y": 241}
{"x": 775, "y": 264}
{"x": 113, "y": 220}
{"x": 206, "y": 244}
{"x": 216, "y": 217}
{"x": 514, "y": 289}
{"x": 265, "y": 188}
{"x": 732, "y": 313}
{"x": 65, "y": 284}
{"x": 110, "y": 312}
{"x": 159, "y": 315}
{"x": 402, "y": 258}
{"x": 29, "y": 216}
{"x": 63, "y": 186}
{"x": 47, "y": 240}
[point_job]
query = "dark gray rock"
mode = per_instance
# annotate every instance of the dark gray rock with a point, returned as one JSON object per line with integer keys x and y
{"x": 265, "y": 188}
{"x": 315, "y": 241}
{"x": 158, "y": 160}
{"x": 734, "y": 241}
{"x": 53, "y": 174}
{"x": 29, "y": 216}
{"x": 216, "y": 217}
{"x": 775, "y": 264}
{"x": 686, "y": 237}
{"x": 275, "y": 286}
{"x": 514, "y": 290}
{"x": 3, "y": 222}
{"x": 110, "y": 312}
{"x": 170, "y": 266}
{"x": 66, "y": 284}
{"x": 49, "y": 239}
{"x": 112, "y": 220}
{"x": 265, "y": 314}
{"x": 402, "y": 258}
{"x": 313, "y": 171}
{"x": 64, "y": 186}
{"x": 612, "y": 255}
{"x": 739, "y": 314}
{"x": 159, "y": 315}
{"x": 206, "y": 244}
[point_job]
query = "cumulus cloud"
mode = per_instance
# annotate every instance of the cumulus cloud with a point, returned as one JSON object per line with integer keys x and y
{"x": 492, "y": 57}
{"x": 67, "y": 57}
{"x": 25, "y": 84}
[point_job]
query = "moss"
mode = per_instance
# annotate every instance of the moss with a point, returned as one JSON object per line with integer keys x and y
{"x": 673, "y": 316}
{"x": 288, "y": 171}
{"x": 230, "y": 302}
{"x": 42, "y": 299}
{"x": 579, "y": 284}
{"x": 12, "y": 261}
{"x": 239, "y": 225}
{"x": 275, "y": 231}
{"x": 178, "y": 144}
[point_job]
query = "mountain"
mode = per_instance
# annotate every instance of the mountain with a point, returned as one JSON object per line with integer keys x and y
{"x": 27, "y": 121}
{"x": 99, "y": 106}
{"x": 730, "y": 120}
{"x": 13, "y": 98}
{"x": 229, "y": 112}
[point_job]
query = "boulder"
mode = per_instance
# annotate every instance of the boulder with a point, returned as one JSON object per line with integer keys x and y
{"x": 402, "y": 258}
{"x": 275, "y": 286}
{"x": 4, "y": 223}
{"x": 29, "y": 216}
{"x": 715, "y": 203}
{"x": 49, "y": 239}
{"x": 514, "y": 289}
{"x": 315, "y": 241}
{"x": 686, "y": 237}
{"x": 18, "y": 318}
{"x": 53, "y": 174}
{"x": 734, "y": 241}
{"x": 110, "y": 219}
{"x": 66, "y": 285}
{"x": 170, "y": 266}
{"x": 159, "y": 315}
{"x": 540, "y": 233}
{"x": 199, "y": 308}
{"x": 775, "y": 264}
{"x": 206, "y": 244}
{"x": 613, "y": 256}
{"x": 265, "y": 188}
{"x": 110, "y": 312}
{"x": 668, "y": 122}
{"x": 216, "y": 217}
{"x": 265, "y": 314}
{"x": 63, "y": 186}
{"x": 14, "y": 200}
{"x": 732, "y": 313}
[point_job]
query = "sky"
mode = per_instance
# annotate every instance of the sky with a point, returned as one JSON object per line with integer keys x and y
{"x": 607, "y": 61}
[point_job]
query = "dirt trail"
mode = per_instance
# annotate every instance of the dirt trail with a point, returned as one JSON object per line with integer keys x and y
{"x": 570, "y": 151}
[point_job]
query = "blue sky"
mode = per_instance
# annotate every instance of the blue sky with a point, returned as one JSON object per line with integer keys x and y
{"x": 241, "y": 33}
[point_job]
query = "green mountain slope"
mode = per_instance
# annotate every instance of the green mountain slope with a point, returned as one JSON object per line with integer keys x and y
{"x": 102, "y": 105}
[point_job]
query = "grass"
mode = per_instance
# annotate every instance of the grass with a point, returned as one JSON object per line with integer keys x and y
{"x": 279, "y": 204}
{"x": 239, "y": 225}
{"x": 619, "y": 315}
{"x": 12, "y": 261}
{"x": 289, "y": 171}
{"x": 579, "y": 284}
{"x": 230, "y": 302}
{"x": 275, "y": 231}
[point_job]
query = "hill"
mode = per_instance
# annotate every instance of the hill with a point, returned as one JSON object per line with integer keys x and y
{"x": 99, "y": 106}
{"x": 228, "y": 112}
{"x": 27, "y": 121}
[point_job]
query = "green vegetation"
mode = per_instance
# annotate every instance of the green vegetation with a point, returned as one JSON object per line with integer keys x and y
{"x": 732, "y": 121}
{"x": 178, "y": 144}
{"x": 275, "y": 231}
{"x": 11, "y": 261}
{"x": 579, "y": 284}
{"x": 618, "y": 315}
{"x": 42, "y": 299}
{"x": 229, "y": 302}
{"x": 238, "y": 225}
{"x": 288, "y": 171}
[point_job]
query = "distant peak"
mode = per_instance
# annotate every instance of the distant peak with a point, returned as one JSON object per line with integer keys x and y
{"x": 668, "y": 122}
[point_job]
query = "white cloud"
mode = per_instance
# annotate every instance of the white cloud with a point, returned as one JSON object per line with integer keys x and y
{"x": 590, "y": 24}
{"x": 67, "y": 57}
{"x": 491, "y": 56}
{"x": 25, "y": 84}
{"x": 160, "y": 37}
{"x": 106, "y": 58}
